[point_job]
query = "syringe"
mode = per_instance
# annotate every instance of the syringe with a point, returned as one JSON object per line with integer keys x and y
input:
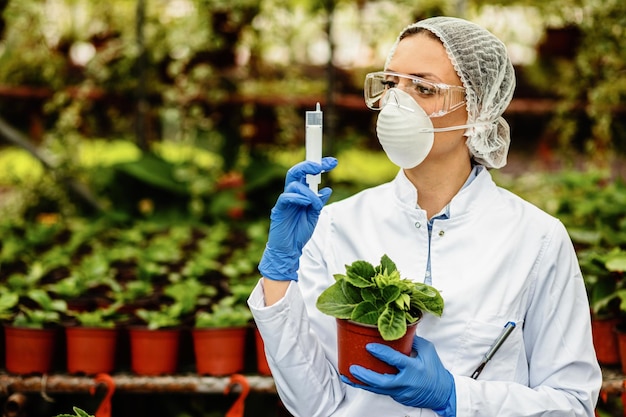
{"x": 313, "y": 144}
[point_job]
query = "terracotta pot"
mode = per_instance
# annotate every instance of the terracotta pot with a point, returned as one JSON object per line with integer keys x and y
{"x": 90, "y": 350}
{"x": 29, "y": 350}
{"x": 621, "y": 345}
{"x": 351, "y": 340}
{"x": 154, "y": 352}
{"x": 605, "y": 340}
{"x": 219, "y": 351}
{"x": 263, "y": 367}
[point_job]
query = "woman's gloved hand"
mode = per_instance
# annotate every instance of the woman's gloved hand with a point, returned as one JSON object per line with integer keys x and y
{"x": 422, "y": 381}
{"x": 293, "y": 219}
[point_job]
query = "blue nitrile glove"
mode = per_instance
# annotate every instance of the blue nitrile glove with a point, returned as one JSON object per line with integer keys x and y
{"x": 422, "y": 381}
{"x": 292, "y": 221}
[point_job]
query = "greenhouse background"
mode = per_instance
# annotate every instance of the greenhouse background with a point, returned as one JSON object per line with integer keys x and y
{"x": 144, "y": 142}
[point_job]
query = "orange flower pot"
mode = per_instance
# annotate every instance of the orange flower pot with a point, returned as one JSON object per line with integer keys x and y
{"x": 219, "y": 351}
{"x": 154, "y": 352}
{"x": 263, "y": 367}
{"x": 351, "y": 340}
{"x": 90, "y": 350}
{"x": 29, "y": 350}
{"x": 605, "y": 340}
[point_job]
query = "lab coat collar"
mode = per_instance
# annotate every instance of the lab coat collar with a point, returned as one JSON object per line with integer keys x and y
{"x": 477, "y": 192}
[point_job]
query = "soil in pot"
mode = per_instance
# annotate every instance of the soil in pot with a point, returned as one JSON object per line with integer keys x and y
{"x": 90, "y": 350}
{"x": 219, "y": 351}
{"x": 154, "y": 352}
{"x": 352, "y": 338}
{"x": 29, "y": 350}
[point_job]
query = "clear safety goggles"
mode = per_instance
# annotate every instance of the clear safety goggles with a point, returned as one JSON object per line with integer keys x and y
{"x": 437, "y": 99}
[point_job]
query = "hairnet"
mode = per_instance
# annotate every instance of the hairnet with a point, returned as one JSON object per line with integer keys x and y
{"x": 483, "y": 65}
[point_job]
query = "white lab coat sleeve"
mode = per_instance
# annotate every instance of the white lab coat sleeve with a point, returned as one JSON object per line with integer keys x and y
{"x": 564, "y": 375}
{"x": 307, "y": 383}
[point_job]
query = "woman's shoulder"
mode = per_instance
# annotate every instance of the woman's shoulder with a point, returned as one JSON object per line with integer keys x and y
{"x": 372, "y": 198}
{"x": 514, "y": 200}
{"x": 528, "y": 215}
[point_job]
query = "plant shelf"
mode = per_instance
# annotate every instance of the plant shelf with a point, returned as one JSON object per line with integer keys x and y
{"x": 129, "y": 383}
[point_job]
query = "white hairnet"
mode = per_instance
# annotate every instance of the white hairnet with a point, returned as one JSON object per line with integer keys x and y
{"x": 483, "y": 65}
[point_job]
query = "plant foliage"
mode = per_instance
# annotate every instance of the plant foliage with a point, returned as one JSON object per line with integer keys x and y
{"x": 106, "y": 318}
{"x": 228, "y": 312}
{"x": 378, "y": 295}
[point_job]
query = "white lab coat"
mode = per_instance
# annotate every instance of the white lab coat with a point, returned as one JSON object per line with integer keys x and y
{"x": 496, "y": 259}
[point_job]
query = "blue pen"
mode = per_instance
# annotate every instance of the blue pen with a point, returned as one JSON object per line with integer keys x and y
{"x": 508, "y": 328}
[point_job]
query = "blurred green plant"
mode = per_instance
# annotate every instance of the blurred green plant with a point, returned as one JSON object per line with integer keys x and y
{"x": 37, "y": 309}
{"x": 588, "y": 82}
{"x": 108, "y": 317}
{"x": 227, "y": 312}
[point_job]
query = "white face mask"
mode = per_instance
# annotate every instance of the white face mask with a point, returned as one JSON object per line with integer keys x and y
{"x": 405, "y": 131}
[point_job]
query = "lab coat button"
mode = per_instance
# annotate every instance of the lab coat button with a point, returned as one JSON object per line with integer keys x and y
{"x": 418, "y": 225}
{"x": 441, "y": 233}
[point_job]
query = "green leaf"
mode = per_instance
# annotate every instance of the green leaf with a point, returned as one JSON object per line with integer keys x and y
{"x": 365, "y": 313}
{"x": 403, "y": 302}
{"x": 7, "y": 302}
{"x": 590, "y": 237}
{"x": 228, "y": 312}
{"x": 167, "y": 316}
{"x": 41, "y": 297}
{"x": 427, "y": 299}
{"x": 351, "y": 293}
{"x": 616, "y": 262}
{"x": 59, "y": 305}
{"x": 334, "y": 303}
{"x": 391, "y": 293}
{"x": 45, "y": 302}
{"x": 392, "y": 324}
{"x": 81, "y": 413}
{"x": 154, "y": 170}
{"x": 371, "y": 295}
{"x": 387, "y": 266}
{"x": 360, "y": 274}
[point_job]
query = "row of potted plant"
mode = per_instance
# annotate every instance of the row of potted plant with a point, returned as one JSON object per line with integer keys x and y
{"x": 219, "y": 346}
{"x": 150, "y": 280}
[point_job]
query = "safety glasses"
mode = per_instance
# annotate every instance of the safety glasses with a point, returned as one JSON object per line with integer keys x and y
{"x": 437, "y": 99}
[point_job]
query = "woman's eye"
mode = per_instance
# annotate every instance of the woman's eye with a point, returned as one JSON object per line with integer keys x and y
{"x": 389, "y": 83}
{"x": 424, "y": 89}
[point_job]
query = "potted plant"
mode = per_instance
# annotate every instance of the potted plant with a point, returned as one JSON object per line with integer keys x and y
{"x": 603, "y": 274}
{"x": 219, "y": 337}
{"x": 90, "y": 282}
{"x": 92, "y": 339}
{"x": 375, "y": 304}
{"x": 155, "y": 344}
{"x": 30, "y": 338}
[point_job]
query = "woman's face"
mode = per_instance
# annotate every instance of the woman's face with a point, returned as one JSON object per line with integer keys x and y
{"x": 423, "y": 56}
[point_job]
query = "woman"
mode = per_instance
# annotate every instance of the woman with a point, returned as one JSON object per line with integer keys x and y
{"x": 494, "y": 257}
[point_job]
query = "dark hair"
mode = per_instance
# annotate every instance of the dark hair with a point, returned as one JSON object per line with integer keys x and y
{"x": 417, "y": 30}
